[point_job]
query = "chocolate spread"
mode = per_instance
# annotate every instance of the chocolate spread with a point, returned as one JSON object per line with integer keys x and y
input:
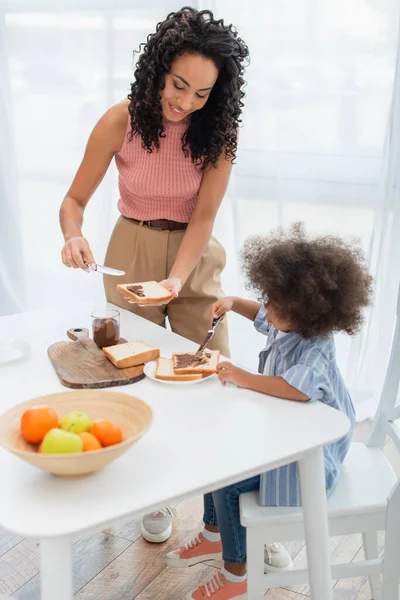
{"x": 105, "y": 332}
{"x": 137, "y": 290}
{"x": 183, "y": 361}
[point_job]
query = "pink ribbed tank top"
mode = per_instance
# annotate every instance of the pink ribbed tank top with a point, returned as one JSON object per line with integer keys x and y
{"x": 161, "y": 185}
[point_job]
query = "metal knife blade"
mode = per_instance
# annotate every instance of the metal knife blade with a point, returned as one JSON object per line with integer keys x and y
{"x": 208, "y": 337}
{"x": 106, "y": 270}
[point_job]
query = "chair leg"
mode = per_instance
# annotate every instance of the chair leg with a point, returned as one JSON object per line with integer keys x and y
{"x": 255, "y": 564}
{"x": 391, "y": 563}
{"x": 370, "y": 545}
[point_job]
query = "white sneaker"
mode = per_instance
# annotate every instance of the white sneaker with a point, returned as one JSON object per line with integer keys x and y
{"x": 276, "y": 558}
{"x": 156, "y": 527}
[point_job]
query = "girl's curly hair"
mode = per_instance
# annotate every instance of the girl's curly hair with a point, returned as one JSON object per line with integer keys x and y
{"x": 213, "y": 129}
{"x": 319, "y": 285}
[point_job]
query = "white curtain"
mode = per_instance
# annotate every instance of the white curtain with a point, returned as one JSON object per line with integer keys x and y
{"x": 11, "y": 270}
{"x": 378, "y": 334}
{"x": 312, "y": 148}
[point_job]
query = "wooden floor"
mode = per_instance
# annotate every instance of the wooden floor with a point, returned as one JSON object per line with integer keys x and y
{"x": 122, "y": 566}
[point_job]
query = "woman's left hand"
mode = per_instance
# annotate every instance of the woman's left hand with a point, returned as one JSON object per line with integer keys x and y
{"x": 173, "y": 285}
{"x": 229, "y": 373}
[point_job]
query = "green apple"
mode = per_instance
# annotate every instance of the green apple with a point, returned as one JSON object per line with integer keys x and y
{"x": 76, "y": 422}
{"x": 57, "y": 441}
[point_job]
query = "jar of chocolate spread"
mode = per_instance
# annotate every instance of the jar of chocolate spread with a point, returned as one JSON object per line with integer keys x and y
{"x": 105, "y": 327}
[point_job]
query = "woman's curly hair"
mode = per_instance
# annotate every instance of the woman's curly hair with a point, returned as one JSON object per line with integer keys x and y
{"x": 213, "y": 129}
{"x": 319, "y": 285}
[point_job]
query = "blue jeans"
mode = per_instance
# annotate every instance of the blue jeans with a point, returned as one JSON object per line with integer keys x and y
{"x": 221, "y": 509}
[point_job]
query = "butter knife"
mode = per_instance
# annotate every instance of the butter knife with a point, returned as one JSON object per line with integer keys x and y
{"x": 208, "y": 337}
{"x": 105, "y": 270}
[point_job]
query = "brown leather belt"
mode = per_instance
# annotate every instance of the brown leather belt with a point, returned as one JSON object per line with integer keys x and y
{"x": 161, "y": 224}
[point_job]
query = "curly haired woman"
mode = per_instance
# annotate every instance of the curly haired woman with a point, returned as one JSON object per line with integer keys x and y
{"x": 309, "y": 289}
{"x": 174, "y": 141}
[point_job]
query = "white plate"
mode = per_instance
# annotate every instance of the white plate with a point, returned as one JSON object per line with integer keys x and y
{"x": 13, "y": 350}
{"x": 150, "y": 369}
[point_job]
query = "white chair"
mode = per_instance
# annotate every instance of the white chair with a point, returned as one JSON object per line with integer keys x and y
{"x": 366, "y": 500}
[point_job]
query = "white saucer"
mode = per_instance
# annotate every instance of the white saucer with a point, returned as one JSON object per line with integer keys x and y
{"x": 150, "y": 369}
{"x": 13, "y": 350}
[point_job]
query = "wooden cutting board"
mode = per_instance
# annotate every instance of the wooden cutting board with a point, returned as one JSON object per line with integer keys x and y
{"x": 82, "y": 364}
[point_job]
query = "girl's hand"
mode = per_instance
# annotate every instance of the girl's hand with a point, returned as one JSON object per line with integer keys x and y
{"x": 77, "y": 254}
{"x": 229, "y": 373}
{"x": 221, "y": 307}
{"x": 172, "y": 284}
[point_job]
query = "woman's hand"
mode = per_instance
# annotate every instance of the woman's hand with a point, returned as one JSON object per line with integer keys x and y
{"x": 229, "y": 373}
{"x": 172, "y": 284}
{"x": 221, "y": 307}
{"x": 77, "y": 254}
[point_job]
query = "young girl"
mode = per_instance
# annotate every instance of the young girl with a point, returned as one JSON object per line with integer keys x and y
{"x": 310, "y": 289}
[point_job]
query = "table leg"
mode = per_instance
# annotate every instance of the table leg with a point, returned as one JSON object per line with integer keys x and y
{"x": 313, "y": 494}
{"x": 56, "y": 569}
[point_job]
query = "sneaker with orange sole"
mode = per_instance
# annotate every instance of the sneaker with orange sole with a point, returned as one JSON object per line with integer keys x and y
{"x": 197, "y": 550}
{"x": 219, "y": 588}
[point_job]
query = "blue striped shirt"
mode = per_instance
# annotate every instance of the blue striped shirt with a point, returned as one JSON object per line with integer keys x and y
{"x": 309, "y": 365}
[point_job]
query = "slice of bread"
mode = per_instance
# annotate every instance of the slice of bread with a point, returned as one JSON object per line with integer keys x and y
{"x": 165, "y": 372}
{"x": 147, "y": 292}
{"x": 186, "y": 363}
{"x": 131, "y": 354}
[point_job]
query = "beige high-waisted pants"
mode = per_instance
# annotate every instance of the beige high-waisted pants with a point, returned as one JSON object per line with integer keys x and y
{"x": 147, "y": 255}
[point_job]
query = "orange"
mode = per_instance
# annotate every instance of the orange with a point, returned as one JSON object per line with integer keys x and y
{"x": 37, "y": 421}
{"x": 40, "y": 449}
{"x": 107, "y": 432}
{"x": 90, "y": 441}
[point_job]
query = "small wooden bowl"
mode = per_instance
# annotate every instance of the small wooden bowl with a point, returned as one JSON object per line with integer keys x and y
{"x": 133, "y": 416}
